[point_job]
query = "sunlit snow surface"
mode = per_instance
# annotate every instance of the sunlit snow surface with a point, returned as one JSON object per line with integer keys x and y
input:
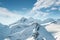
{"x": 31, "y": 38}
{"x": 57, "y": 36}
{"x": 55, "y": 30}
{"x": 6, "y": 39}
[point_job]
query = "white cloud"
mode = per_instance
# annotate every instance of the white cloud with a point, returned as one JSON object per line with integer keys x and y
{"x": 7, "y": 16}
{"x": 43, "y": 3}
{"x": 6, "y": 12}
{"x": 36, "y": 10}
{"x": 40, "y": 15}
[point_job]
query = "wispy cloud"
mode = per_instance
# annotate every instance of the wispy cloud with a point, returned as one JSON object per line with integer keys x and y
{"x": 40, "y": 4}
{"x": 7, "y": 16}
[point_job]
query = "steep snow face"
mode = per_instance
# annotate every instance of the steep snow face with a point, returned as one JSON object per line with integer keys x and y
{"x": 4, "y": 31}
{"x": 55, "y": 30}
{"x": 23, "y": 35}
{"x": 33, "y": 32}
{"x": 18, "y": 28}
{"x": 42, "y": 33}
{"x": 57, "y": 36}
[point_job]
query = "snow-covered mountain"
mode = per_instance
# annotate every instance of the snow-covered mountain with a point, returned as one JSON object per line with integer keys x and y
{"x": 24, "y": 20}
{"x": 35, "y": 30}
{"x": 22, "y": 24}
{"x": 31, "y": 29}
{"x": 18, "y": 28}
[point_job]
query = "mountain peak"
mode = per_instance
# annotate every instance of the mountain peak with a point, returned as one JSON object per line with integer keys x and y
{"x": 23, "y": 19}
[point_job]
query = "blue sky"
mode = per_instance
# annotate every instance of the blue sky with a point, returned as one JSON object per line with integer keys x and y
{"x": 17, "y": 4}
{"x": 13, "y": 10}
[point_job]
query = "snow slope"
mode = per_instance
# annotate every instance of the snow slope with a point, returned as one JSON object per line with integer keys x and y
{"x": 29, "y": 32}
{"x": 57, "y": 36}
{"x": 4, "y": 31}
{"x": 54, "y": 29}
